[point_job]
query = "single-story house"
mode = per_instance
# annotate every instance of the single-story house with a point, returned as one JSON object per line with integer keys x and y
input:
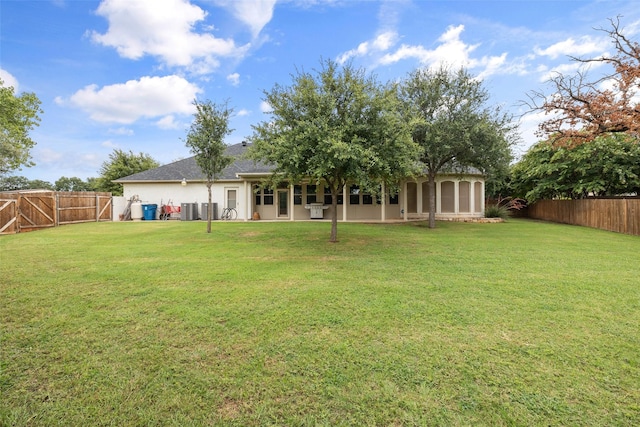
{"x": 458, "y": 195}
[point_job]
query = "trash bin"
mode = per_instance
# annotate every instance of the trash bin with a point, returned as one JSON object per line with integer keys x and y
{"x": 149, "y": 212}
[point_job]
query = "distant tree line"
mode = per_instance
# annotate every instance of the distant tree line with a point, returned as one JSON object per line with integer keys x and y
{"x": 13, "y": 183}
{"x": 120, "y": 164}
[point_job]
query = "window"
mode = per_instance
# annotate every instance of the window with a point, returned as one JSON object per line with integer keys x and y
{"x": 268, "y": 196}
{"x": 311, "y": 194}
{"x": 478, "y": 196}
{"x": 354, "y": 195}
{"x": 447, "y": 196}
{"x": 264, "y": 196}
{"x": 327, "y": 196}
{"x": 258, "y": 194}
{"x": 464, "y": 196}
{"x": 231, "y": 199}
{"x": 393, "y": 199}
{"x": 297, "y": 194}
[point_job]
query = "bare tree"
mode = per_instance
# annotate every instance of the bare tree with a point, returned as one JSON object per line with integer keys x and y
{"x": 582, "y": 109}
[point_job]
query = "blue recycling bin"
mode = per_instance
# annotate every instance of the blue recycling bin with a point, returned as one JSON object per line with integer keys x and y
{"x": 149, "y": 212}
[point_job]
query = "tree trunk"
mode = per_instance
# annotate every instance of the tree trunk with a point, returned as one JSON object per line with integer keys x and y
{"x": 209, "y": 207}
{"x": 432, "y": 200}
{"x": 334, "y": 215}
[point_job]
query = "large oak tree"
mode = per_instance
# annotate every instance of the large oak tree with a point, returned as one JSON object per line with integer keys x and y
{"x": 450, "y": 120}
{"x": 336, "y": 125}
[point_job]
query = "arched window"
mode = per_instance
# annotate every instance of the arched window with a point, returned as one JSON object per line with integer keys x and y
{"x": 425, "y": 196}
{"x": 448, "y": 197}
{"x": 412, "y": 197}
{"x": 478, "y": 196}
{"x": 464, "y": 196}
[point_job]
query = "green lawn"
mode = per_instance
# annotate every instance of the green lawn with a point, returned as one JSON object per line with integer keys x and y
{"x": 159, "y": 323}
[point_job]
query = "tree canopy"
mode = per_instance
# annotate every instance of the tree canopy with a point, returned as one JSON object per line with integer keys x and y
{"x": 450, "y": 121}
{"x": 73, "y": 184}
{"x": 336, "y": 125}
{"x": 13, "y": 183}
{"x": 606, "y": 166}
{"x": 583, "y": 108}
{"x": 18, "y": 116}
{"x": 206, "y": 141}
{"x": 119, "y": 165}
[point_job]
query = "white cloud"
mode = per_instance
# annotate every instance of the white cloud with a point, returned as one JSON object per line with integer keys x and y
{"x": 234, "y": 79}
{"x": 243, "y": 113}
{"x": 265, "y": 107}
{"x": 76, "y": 164}
{"x": 570, "y": 47}
{"x": 254, "y": 13}
{"x": 381, "y": 43}
{"x": 564, "y": 69}
{"x": 109, "y": 144}
{"x": 164, "y": 29}
{"x": 492, "y": 65}
{"x": 528, "y": 128}
{"x": 167, "y": 122}
{"x": 121, "y": 131}
{"x": 452, "y": 51}
{"x": 135, "y": 99}
{"x": 8, "y": 80}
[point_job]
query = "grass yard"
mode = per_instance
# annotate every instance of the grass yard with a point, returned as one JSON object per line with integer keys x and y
{"x": 161, "y": 324}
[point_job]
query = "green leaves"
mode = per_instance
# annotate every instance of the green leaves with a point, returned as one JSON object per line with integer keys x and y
{"x": 448, "y": 119}
{"x": 606, "y": 166}
{"x": 206, "y": 137}
{"x": 119, "y": 165}
{"x": 18, "y": 116}
{"x": 336, "y": 125}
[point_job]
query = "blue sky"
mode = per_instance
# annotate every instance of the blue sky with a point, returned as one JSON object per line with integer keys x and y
{"x": 123, "y": 73}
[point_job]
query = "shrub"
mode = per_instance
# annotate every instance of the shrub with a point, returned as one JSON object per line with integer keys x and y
{"x": 496, "y": 211}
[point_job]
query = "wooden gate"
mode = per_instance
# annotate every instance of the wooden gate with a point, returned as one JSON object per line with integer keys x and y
{"x": 30, "y": 210}
{"x": 8, "y": 216}
{"x": 36, "y": 210}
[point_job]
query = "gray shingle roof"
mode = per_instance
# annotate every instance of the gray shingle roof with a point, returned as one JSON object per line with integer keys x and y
{"x": 188, "y": 169}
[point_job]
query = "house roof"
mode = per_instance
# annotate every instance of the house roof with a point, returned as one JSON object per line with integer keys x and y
{"x": 188, "y": 169}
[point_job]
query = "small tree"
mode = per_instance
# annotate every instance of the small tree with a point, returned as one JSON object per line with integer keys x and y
{"x": 18, "y": 116}
{"x": 583, "y": 108}
{"x": 336, "y": 126}
{"x": 119, "y": 165}
{"x": 449, "y": 120}
{"x": 206, "y": 141}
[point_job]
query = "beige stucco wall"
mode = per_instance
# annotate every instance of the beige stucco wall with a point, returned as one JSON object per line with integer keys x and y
{"x": 463, "y": 196}
{"x": 193, "y": 192}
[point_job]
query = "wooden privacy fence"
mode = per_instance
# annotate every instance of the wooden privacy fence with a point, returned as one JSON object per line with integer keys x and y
{"x": 616, "y": 214}
{"x": 31, "y": 210}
